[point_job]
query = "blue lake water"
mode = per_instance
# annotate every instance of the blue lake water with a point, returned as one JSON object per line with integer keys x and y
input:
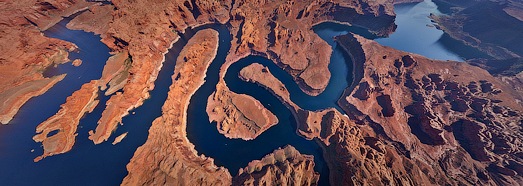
{"x": 104, "y": 164}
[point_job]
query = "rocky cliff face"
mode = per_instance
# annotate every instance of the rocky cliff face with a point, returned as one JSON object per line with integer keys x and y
{"x": 139, "y": 28}
{"x": 282, "y": 167}
{"x": 406, "y": 111}
{"x": 456, "y": 114}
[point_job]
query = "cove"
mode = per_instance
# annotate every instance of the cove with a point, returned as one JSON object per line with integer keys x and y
{"x": 86, "y": 163}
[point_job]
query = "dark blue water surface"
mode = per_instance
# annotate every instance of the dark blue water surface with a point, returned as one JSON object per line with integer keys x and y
{"x": 104, "y": 164}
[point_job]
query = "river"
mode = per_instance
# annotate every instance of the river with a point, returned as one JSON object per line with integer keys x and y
{"x": 104, "y": 164}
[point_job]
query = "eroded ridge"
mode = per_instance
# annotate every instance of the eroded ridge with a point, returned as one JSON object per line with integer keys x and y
{"x": 282, "y": 167}
{"x": 58, "y": 133}
{"x": 167, "y": 157}
{"x": 282, "y": 31}
{"x": 138, "y": 28}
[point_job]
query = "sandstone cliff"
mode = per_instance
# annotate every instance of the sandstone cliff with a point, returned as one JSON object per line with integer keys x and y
{"x": 282, "y": 167}
{"x": 405, "y": 112}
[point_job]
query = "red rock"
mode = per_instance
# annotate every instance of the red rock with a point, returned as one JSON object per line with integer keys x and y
{"x": 282, "y": 167}
{"x": 429, "y": 97}
{"x": 284, "y": 33}
{"x": 238, "y": 115}
{"x": 25, "y": 53}
{"x": 66, "y": 121}
{"x": 167, "y": 157}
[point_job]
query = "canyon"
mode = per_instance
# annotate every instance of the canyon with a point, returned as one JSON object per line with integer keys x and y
{"x": 400, "y": 113}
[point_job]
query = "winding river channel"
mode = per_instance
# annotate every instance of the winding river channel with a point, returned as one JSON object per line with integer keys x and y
{"x": 104, "y": 164}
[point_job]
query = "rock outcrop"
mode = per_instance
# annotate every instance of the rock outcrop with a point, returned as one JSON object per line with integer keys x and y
{"x": 119, "y": 138}
{"x": 139, "y": 28}
{"x": 406, "y": 111}
{"x": 116, "y": 72}
{"x": 96, "y": 19}
{"x": 259, "y": 74}
{"x": 25, "y": 53}
{"x": 457, "y": 115}
{"x": 58, "y": 133}
{"x": 167, "y": 157}
{"x": 238, "y": 115}
{"x": 282, "y": 167}
{"x": 282, "y": 31}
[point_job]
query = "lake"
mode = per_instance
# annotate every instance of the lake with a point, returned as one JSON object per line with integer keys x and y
{"x": 104, "y": 164}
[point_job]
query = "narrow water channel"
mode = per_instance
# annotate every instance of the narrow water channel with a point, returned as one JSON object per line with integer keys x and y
{"x": 104, "y": 164}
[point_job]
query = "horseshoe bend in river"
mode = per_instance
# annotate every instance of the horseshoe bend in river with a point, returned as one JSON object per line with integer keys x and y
{"x": 105, "y": 163}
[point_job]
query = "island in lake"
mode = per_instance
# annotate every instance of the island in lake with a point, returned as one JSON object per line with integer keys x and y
{"x": 305, "y": 92}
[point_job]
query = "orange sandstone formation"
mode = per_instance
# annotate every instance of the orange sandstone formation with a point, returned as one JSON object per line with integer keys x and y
{"x": 12, "y": 98}
{"x": 65, "y": 121}
{"x": 77, "y": 62}
{"x": 406, "y": 111}
{"x": 238, "y": 115}
{"x": 282, "y": 31}
{"x": 425, "y": 111}
{"x": 96, "y": 19}
{"x": 119, "y": 138}
{"x": 282, "y": 167}
{"x": 147, "y": 29}
{"x": 167, "y": 157}
{"x": 261, "y": 75}
{"x": 25, "y": 53}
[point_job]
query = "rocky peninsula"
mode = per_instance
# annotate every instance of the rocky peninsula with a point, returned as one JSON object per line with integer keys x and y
{"x": 65, "y": 122}
{"x": 177, "y": 162}
{"x": 238, "y": 115}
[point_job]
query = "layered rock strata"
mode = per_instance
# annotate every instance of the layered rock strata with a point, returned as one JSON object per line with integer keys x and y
{"x": 259, "y": 74}
{"x": 282, "y": 167}
{"x": 282, "y": 31}
{"x": 57, "y": 134}
{"x": 25, "y": 53}
{"x": 167, "y": 157}
{"x": 238, "y": 115}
